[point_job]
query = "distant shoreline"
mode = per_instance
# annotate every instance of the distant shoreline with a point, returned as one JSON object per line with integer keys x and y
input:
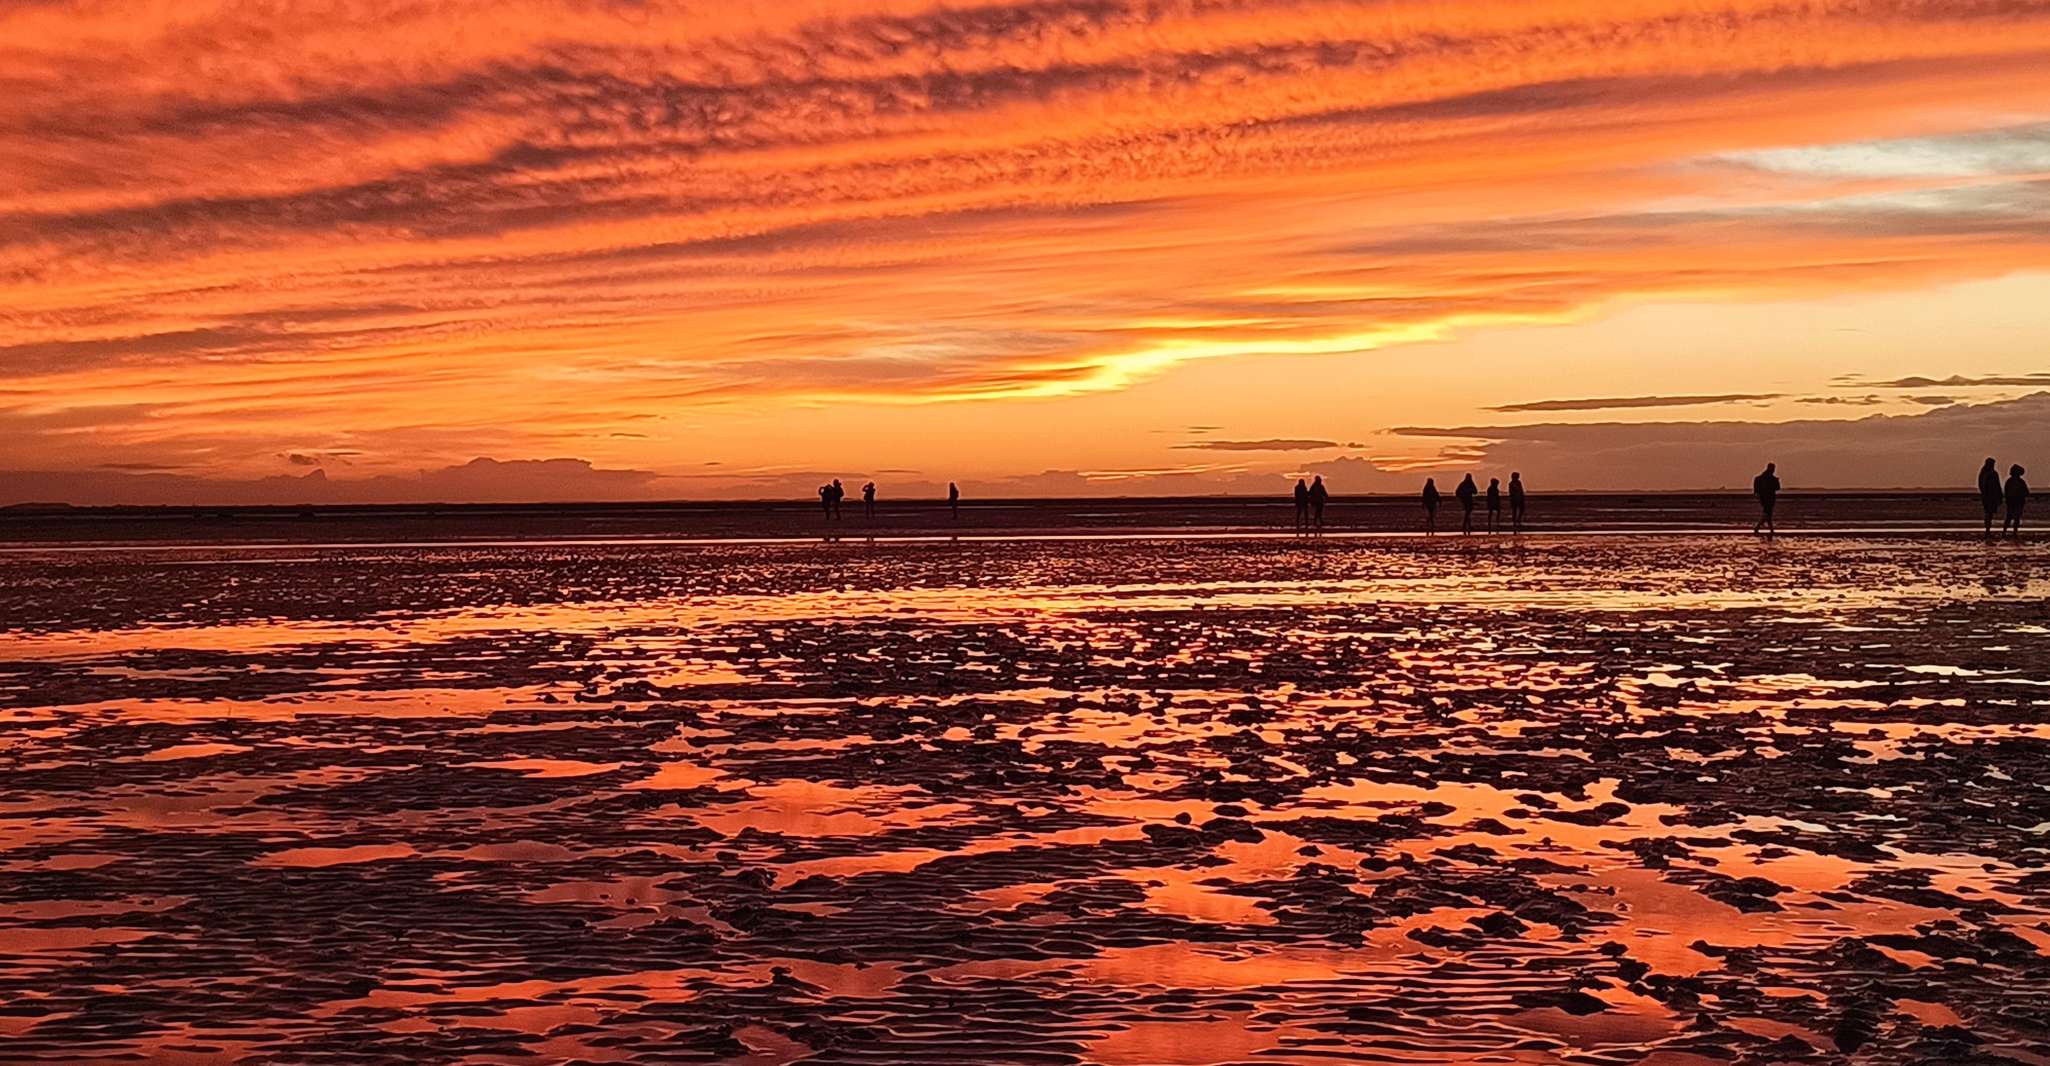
{"x": 1893, "y": 511}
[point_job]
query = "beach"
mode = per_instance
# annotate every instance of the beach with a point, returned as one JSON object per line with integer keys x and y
{"x": 1116, "y": 791}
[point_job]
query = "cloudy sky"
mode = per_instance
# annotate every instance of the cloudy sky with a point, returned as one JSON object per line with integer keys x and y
{"x": 522, "y": 249}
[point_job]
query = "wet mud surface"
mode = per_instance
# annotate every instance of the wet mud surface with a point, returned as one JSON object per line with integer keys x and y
{"x": 1587, "y": 800}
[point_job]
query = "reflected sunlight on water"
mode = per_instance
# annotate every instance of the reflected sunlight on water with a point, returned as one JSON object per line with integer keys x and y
{"x": 1128, "y": 801}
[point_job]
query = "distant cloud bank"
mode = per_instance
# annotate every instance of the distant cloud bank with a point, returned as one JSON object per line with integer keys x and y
{"x": 1937, "y": 449}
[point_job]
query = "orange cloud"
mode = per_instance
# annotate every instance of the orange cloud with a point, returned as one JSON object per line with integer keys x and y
{"x": 428, "y": 231}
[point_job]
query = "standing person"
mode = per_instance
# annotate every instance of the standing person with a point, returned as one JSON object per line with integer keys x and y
{"x": 1302, "y": 505}
{"x": 2017, "y": 498}
{"x": 1766, "y": 487}
{"x": 868, "y": 500}
{"x": 1431, "y": 498}
{"x": 839, "y": 493}
{"x": 1466, "y": 491}
{"x": 1991, "y": 495}
{"x": 1516, "y": 502}
{"x": 826, "y": 501}
{"x": 1319, "y": 495}
{"x": 954, "y": 500}
{"x": 1494, "y": 503}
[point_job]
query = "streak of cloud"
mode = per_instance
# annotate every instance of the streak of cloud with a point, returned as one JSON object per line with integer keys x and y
{"x": 1618, "y": 402}
{"x": 1959, "y": 381}
{"x": 1276, "y": 444}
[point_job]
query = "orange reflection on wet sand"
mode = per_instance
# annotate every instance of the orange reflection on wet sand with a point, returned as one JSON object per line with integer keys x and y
{"x": 1587, "y": 803}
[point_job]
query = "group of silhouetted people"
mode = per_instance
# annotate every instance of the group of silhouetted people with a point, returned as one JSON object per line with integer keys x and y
{"x": 832, "y": 493}
{"x": 1311, "y": 496}
{"x": 1469, "y": 495}
{"x": 2005, "y": 500}
{"x": 1996, "y": 497}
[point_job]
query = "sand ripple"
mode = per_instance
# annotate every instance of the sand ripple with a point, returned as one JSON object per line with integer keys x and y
{"x": 1591, "y": 801}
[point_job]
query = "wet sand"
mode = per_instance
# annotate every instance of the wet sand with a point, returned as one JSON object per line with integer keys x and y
{"x": 1588, "y": 799}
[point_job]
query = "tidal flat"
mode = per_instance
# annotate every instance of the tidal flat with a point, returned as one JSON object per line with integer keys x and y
{"x": 1127, "y": 800}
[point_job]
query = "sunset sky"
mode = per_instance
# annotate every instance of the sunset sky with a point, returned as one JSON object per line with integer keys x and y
{"x": 305, "y": 251}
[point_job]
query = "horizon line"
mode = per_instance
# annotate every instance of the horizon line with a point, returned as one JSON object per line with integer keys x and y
{"x": 51, "y": 507}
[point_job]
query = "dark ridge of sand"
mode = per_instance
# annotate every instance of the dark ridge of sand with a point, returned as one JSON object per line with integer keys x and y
{"x": 1680, "y": 800}
{"x": 1571, "y": 512}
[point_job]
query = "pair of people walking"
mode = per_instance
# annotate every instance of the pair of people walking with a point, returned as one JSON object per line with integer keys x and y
{"x": 1310, "y": 498}
{"x": 1468, "y": 493}
{"x": 1997, "y": 497}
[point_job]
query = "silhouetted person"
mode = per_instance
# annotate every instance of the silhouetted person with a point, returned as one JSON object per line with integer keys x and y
{"x": 1991, "y": 495}
{"x": 1466, "y": 491}
{"x": 839, "y": 493}
{"x": 1494, "y": 503}
{"x": 826, "y": 501}
{"x": 954, "y": 500}
{"x": 1766, "y": 486}
{"x": 1516, "y": 502}
{"x": 868, "y": 499}
{"x": 1431, "y": 498}
{"x": 1319, "y": 496}
{"x": 1302, "y": 505}
{"x": 2017, "y": 498}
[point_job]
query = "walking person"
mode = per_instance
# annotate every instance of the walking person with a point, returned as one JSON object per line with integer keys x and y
{"x": 2017, "y": 498}
{"x": 1766, "y": 486}
{"x": 1431, "y": 498}
{"x": 1991, "y": 495}
{"x": 1302, "y": 505}
{"x": 868, "y": 501}
{"x": 1494, "y": 504}
{"x": 1466, "y": 491}
{"x": 1516, "y": 502}
{"x": 954, "y": 500}
{"x": 1319, "y": 496}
